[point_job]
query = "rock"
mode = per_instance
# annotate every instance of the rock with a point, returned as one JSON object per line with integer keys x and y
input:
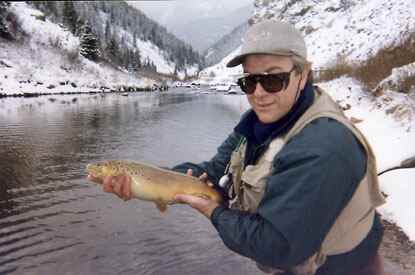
{"x": 391, "y": 110}
{"x": 51, "y": 86}
{"x": 347, "y": 107}
{"x": 355, "y": 120}
{"x": 397, "y": 250}
{"x": 73, "y": 85}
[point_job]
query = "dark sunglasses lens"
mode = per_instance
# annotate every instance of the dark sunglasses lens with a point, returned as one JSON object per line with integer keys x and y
{"x": 272, "y": 83}
{"x": 247, "y": 84}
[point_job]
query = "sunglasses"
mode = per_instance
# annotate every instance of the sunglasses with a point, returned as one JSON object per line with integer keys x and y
{"x": 272, "y": 83}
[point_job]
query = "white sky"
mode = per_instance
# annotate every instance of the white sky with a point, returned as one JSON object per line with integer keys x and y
{"x": 164, "y": 11}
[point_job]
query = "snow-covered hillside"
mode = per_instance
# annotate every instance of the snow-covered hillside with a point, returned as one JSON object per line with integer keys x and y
{"x": 354, "y": 29}
{"x": 47, "y": 60}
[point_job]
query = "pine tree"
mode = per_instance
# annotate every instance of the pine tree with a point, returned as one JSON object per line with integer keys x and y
{"x": 89, "y": 43}
{"x": 4, "y": 30}
{"x": 135, "y": 39}
{"x": 51, "y": 8}
{"x": 113, "y": 49}
{"x": 107, "y": 33}
{"x": 70, "y": 17}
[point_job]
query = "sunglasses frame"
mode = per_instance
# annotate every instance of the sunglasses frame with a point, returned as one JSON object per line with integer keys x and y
{"x": 283, "y": 76}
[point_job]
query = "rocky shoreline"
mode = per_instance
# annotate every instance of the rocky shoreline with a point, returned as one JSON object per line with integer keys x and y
{"x": 397, "y": 250}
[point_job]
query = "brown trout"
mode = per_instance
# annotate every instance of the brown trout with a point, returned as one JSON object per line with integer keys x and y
{"x": 151, "y": 183}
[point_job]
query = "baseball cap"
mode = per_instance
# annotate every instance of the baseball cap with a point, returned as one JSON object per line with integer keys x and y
{"x": 271, "y": 37}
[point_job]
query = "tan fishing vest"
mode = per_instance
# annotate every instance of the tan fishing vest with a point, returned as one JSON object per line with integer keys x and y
{"x": 354, "y": 222}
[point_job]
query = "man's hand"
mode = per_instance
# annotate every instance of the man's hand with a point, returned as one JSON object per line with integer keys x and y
{"x": 202, "y": 205}
{"x": 120, "y": 186}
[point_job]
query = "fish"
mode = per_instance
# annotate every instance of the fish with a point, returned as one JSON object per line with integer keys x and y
{"x": 155, "y": 184}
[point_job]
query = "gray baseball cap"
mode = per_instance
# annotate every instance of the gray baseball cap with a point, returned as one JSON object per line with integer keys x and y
{"x": 271, "y": 37}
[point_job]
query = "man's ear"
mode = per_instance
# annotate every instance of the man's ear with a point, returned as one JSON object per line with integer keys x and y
{"x": 304, "y": 76}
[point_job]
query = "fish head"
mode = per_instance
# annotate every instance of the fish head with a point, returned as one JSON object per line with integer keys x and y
{"x": 105, "y": 168}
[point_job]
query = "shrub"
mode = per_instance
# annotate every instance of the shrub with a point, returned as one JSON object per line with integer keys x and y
{"x": 55, "y": 42}
{"x": 340, "y": 68}
{"x": 377, "y": 67}
{"x": 380, "y": 66}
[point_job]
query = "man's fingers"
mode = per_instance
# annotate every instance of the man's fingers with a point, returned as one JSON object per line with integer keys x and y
{"x": 191, "y": 200}
{"x": 94, "y": 179}
{"x": 203, "y": 177}
{"x": 126, "y": 188}
{"x": 117, "y": 185}
{"x": 204, "y": 206}
{"x": 107, "y": 184}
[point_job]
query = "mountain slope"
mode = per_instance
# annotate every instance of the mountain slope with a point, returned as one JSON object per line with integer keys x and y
{"x": 45, "y": 56}
{"x": 204, "y": 31}
{"x": 225, "y": 45}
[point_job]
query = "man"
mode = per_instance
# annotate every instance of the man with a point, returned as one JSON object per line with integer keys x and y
{"x": 300, "y": 178}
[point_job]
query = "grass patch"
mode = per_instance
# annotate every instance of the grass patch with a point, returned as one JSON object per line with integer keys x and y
{"x": 377, "y": 67}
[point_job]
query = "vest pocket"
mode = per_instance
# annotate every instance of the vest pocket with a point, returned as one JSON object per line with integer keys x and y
{"x": 253, "y": 185}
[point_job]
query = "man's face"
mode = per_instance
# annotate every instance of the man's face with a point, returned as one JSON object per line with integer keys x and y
{"x": 270, "y": 107}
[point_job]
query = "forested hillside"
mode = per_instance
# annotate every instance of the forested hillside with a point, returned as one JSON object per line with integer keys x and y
{"x": 120, "y": 31}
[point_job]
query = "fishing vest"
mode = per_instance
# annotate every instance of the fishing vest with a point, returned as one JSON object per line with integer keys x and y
{"x": 355, "y": 220}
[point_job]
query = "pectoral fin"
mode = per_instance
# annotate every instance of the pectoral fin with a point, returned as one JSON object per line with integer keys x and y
{"x": 161, "y": 206}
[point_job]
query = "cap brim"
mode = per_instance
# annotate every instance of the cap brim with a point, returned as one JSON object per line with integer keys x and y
{"x": 239, "y": 59}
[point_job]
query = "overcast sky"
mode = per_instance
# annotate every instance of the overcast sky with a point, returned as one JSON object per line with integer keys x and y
{"x": 165, "y": 12}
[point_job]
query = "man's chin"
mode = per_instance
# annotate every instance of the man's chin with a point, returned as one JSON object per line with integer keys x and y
{"x": 267, "y": 118}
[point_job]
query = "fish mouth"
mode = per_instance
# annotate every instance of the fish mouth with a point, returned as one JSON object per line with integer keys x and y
{"x": 91, "y": 169}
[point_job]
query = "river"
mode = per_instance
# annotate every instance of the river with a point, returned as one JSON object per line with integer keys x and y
{"x": 53, "y": 221}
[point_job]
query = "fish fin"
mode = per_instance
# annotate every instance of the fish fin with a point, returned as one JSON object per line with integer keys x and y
{"x": 161, "y": 206}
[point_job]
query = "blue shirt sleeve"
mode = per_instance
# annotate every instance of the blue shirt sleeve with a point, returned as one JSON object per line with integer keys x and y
{"x": 313, "y": 178}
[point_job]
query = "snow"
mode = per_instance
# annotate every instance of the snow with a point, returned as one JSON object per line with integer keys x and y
{"x": 148, "y": 50}
{"x": 399, "y": 185}
{"x": 219, "y": 73}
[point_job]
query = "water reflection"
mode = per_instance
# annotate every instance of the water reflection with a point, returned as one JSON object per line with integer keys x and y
{"x": 53, "y": 221}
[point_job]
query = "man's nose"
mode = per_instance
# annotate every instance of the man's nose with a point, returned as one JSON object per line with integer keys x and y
{"x": 259, "y": 90}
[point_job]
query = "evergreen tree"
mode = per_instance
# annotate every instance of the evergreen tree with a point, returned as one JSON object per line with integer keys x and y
{"x": 113, "y": 49}
{"x": 70, "y": 17}
{"x": 107, "y": 33}
{"x": 89, "y": 43}
{"x": 4, "y": 30}
{"x": 80, "y": 23}
{"x": 135, "y": 40}
{"x": 51, "y": 8}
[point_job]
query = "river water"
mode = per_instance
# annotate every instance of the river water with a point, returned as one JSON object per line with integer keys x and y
{"x": 53, "y": 221}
